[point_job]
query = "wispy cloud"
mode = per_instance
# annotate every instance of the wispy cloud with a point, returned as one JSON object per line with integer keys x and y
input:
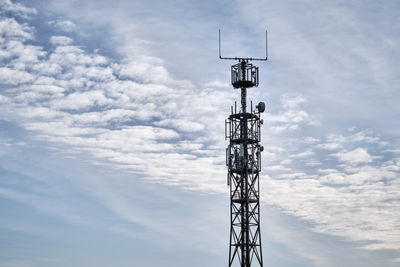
{"x": 134, "y": 114}
{"x": 17, "y": 9}
{"x": 63, "y": 25}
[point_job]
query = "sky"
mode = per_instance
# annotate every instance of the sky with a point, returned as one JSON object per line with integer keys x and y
{"x": 112, "y": 149}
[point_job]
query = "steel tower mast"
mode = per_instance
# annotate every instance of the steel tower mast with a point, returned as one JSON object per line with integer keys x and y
{"x": 243, "y": 160}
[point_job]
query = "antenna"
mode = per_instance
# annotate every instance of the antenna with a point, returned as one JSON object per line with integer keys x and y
{"x": 244, "y": 58}
{"x": 243, "y": 160}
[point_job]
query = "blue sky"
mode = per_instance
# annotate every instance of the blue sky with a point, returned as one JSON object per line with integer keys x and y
{"x": 111, "y": 139}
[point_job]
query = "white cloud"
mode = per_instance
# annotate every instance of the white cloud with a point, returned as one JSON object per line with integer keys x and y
{"x": 360, "y": 185}
{"x": 26, "y": 54}
{"x": 84, "y": 100}
{"x": 60, "y": 40}
{"x": 15, "y": 77}
{"x": 92, "y": 105}
{"x": 16, "y": 9}
{"x": 3, "y": 99}
{"x": 291, "y": 117}
{"x": 328, "y": 146}
{"x": 276, "y": 168}
{"x": 291, "y": 102}
{"x": 183, "y": 125}
{"x": 356, "y": 156}
{"x": 11, "y": 29}
{"x": 310, "y": 140}
{"x": 63, "y": 25}
{"x": 72, "y": 55}
{"x": 304, "y": 154}
{"x": 145, "y": 69}
{"x": 355, "y": 211}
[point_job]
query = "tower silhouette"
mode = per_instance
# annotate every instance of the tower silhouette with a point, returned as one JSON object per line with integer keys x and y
{"x": 243, "y": 160}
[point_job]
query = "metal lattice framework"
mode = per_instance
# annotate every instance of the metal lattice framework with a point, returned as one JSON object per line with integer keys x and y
{"x": 243, "y": 160}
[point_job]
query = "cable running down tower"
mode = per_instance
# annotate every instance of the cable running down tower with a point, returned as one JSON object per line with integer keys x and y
{"x": 243, "y": 160}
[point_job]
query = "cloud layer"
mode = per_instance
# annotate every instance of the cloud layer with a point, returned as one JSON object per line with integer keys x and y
{"x": 133, "y": 115}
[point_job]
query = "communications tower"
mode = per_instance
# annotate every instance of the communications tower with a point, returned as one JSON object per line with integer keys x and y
{"x": 243, "y": 160}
